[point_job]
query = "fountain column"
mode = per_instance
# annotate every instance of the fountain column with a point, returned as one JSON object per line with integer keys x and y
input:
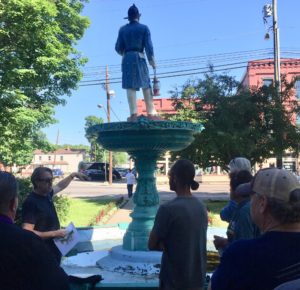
{"x": 146, "y": 200}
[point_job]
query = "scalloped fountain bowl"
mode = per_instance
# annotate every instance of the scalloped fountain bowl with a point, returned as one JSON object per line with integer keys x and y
{"x": 145, "y": 135}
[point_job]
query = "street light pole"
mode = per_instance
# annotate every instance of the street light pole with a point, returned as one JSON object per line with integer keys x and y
{"x": 268, "y": 11}
{"x": 108, "y": 121}
{"x": 276, "y": 50}
{"x": 277, "y": 81}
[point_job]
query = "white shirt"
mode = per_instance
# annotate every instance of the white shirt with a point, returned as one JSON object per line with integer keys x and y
{"x": 130, "y": 178}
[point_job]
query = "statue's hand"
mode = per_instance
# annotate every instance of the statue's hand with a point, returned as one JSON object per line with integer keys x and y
{"x": 152, "y": 63}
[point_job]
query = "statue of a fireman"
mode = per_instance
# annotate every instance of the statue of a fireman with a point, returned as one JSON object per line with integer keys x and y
{"x": 134, "y": 38}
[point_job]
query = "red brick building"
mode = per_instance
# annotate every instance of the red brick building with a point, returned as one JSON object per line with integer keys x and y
{"x": 261, "y": 72}
{"x": 258, "y": 73}
{"x": 163, "y": 106}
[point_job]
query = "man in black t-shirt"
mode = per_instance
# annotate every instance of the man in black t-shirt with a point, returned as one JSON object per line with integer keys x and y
{"x": 25, "y": 261}
{"x": 38, "y": 211}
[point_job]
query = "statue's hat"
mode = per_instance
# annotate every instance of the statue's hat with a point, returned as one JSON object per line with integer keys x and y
{"x": 133, "y": 13}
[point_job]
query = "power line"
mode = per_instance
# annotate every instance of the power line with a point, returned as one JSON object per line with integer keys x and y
{"x": 99, "y": 82}
{"x": 220, "y": 55}
{"x": 193, "y": 61}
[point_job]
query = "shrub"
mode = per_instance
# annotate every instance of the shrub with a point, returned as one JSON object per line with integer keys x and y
{"x": 62, "y": 205}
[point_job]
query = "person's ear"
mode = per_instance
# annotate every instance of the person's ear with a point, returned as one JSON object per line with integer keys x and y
{"x": 13, "y": 205}
{"x": 262, "y": 203}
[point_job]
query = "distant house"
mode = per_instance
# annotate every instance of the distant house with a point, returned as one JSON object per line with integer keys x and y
{"x": 65, "y": 159}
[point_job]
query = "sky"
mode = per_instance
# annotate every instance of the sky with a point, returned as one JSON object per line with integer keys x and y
{"x": 187, "y": 35}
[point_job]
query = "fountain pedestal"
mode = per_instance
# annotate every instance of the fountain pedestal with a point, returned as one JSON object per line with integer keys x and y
{"x": 145, "y": 141}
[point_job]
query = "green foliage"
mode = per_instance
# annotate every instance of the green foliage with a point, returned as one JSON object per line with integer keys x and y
{"x": 76, "y": 147}
{"x": 254, "y": 122}
{"x": 62, "y": 204}
{"x": 38, "y": 65}
{"x": 24, "y": 188}
{"x": 83, "y": 211}
{"x": 96, "y": 151}
{"x": 119, "y": 158}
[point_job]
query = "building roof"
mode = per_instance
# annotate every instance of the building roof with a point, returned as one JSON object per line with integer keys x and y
{"x": 58, "y": 162}
{"x": 260, "y": 64}
{"x": 60, "y": 151}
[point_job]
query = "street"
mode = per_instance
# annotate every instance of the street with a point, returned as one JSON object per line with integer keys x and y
{"x": 218, "y": 190}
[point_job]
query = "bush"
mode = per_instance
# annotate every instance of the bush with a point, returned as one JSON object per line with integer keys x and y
{"x": 25, "y": 187}
{"x": 62, "y": 205}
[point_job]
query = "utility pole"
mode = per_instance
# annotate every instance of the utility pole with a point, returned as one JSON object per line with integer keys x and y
{"x": 276, "y": 50}
{"x": 271, "y": 10}
{"x": 277, "y": 81}
{"x": 108, "y": 121}
{"x": 56, "y": 143}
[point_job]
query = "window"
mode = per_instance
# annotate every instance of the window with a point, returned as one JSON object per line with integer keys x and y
{"x": 49, "y": 158}
{"x": 61, "y": 158}
{"x": 297, "y": 88}
{"x": 267, "y": 82}
{"x": 40, "y": 158}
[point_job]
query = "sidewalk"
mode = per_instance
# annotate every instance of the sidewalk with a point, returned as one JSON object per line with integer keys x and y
{"x": 122, "y": 215}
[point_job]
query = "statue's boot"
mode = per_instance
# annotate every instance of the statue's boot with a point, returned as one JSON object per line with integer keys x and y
{"x": 149, "y": 103}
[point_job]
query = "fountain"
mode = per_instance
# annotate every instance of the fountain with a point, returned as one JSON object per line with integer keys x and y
{"x": 145, "y": 141}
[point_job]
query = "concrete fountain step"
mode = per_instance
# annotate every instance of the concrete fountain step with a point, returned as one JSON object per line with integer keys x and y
{"x": 99, "y": 252}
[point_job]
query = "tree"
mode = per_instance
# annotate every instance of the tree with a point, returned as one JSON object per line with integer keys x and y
{"x": 237, "y": 121}
{"x": 38, "y": 66}
{"x": 76, "y": 147}
{"x": 120, "y": 158}
{"x": 96, "y": 150}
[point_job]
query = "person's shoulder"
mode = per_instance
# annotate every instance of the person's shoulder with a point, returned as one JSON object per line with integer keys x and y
{"x": 245, "y": 208}
{"x": 166, "y": 206}
{"x": 19, "y": 234}
{"x": 31, "y": 197}
{"x": 143, "y": 26}
{"x": 123, "y": 27}
{"x": 242, "y": 247}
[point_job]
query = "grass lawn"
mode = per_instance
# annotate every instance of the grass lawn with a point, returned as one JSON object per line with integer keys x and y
{"x": 214, "y": 208}
{"x": 83, "y": 211}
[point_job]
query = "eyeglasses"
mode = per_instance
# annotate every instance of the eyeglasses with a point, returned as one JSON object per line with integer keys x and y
{"x": 47, "y": 180}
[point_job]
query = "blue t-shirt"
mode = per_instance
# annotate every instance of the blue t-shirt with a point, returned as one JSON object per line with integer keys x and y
{"x": 241, "y": 225}
{"x": 259, "y": 264}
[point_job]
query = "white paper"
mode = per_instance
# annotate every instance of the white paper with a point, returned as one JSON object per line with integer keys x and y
{"x": 66, "y": 243}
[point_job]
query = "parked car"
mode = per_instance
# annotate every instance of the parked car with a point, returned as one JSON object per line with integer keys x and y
{"x": 57, "y": 173}
{"x": 96, "y": 171}
{"x": 122, "y": 171}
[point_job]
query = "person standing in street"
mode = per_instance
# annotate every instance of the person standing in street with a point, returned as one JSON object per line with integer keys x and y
{"x": 130, "y": 180}
{"x": 179, "y": 231}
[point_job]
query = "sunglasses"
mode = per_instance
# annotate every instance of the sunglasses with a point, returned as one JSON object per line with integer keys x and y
{"x": 48, "y": 180}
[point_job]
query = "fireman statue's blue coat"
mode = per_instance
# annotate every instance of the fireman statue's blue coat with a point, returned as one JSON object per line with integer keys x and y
{"x": 133, "y": 40}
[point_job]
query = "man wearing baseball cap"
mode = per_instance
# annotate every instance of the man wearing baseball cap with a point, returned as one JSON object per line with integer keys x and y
{"x": 273, "y": 258}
